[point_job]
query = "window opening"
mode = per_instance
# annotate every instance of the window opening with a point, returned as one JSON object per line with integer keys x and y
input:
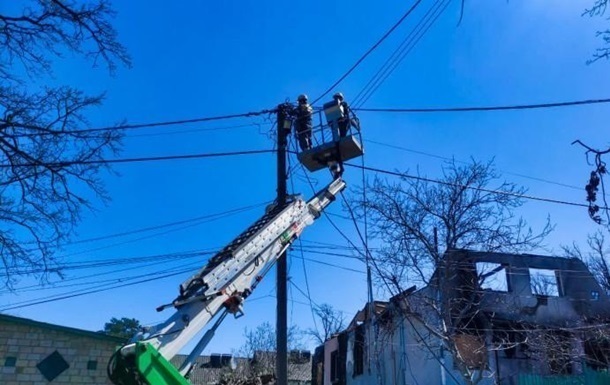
{"x": 544, "y": 282}
{"x": 492, "y": 276}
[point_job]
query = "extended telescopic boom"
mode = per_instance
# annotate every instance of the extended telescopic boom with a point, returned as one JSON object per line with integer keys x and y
{"x": 216, "y": 290}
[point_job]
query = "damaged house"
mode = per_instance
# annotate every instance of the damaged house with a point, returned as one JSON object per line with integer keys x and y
{"x": 484, "y": 318}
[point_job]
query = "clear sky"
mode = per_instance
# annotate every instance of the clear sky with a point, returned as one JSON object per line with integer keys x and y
{"x": 194, "y": 59}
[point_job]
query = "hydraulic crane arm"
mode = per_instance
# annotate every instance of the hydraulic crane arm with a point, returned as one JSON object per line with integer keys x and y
{"x": 216, "y": 290}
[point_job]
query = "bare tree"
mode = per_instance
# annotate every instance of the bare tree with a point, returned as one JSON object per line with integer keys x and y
{"x": 597, "y": 257}
{"x": 331, "y": 322}
{"x": 49, "y": 163}
{"x": 416, "y": 219}
{"x": 598, "y": 9}
{"x": 259, "y": 347}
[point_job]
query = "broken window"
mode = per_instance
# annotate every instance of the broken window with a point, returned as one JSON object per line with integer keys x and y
{"x": 544, "y": 282}
{"x": 492, "y": 276}
{"x": 334, "y": 366}
{"x": 359, "y": 351}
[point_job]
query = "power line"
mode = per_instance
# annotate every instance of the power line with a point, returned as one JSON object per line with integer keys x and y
{"x": 306, "y": 295}
{"x": 330, "y": 254}
{"x": 101, "y": 287}
{"x": 82, "y": 293}
{"x": 141, "y": 125}
{"x": 487, "y": 108}
{"x": 363, "y": 254}
{"x": 463, "y": 162}
{"x": 401, "y": 52}
{"x": 109, "y": 262}
{"x": 194, "y": 130}
{"x": 169, "y": 224}
{"x": 500, "y": 192}
{"x": 332, "y": 265}
{"x": 367, "y": 53}
{"x": 138, "y": 160}
{"x": 313, "y": 315}
{"x": 187, "y": 226}
{"x": 62, "y": 284}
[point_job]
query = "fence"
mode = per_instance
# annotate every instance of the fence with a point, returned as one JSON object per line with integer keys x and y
{"x": 589, "y": 377}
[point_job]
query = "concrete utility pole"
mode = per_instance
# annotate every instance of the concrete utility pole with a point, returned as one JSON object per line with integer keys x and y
{"x": 281, "y": 364}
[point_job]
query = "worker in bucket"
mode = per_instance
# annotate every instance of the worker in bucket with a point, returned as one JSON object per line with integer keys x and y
{"x": 304, "y": 124}
{"x": 345, "y": 120}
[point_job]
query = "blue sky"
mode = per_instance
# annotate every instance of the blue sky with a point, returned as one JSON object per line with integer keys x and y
{"x": 195, "y": 59}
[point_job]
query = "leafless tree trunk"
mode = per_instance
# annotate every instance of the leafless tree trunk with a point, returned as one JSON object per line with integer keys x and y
{"x": 50, "y": 164}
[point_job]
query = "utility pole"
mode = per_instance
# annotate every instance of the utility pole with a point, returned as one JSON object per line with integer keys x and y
{"x": 281, "y": 364}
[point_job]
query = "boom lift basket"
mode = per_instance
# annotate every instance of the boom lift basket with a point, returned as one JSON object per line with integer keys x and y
{"x": 327, "y": 145}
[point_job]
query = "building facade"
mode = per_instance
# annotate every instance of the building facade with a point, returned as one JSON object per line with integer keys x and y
{"x": 38, "y": 353}
{"x": 485, "y": 318}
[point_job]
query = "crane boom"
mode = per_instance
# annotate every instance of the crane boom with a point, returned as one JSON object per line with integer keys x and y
{"x": 216, "y": 290}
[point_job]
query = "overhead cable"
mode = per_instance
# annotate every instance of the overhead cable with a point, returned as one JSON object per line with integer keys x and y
{"x": 488, "y": 108}
{"x": 463, "y": 162}
{"x": 401, "y": 52}
{"x": 169, "y": 224}
{"x": 500, "y": 192}
{"x": 370, "y": 50}
{"x": 141, "y": 125}
{"x": 136, "y": 160}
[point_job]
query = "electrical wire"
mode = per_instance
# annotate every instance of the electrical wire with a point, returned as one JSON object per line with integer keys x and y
{"x": 169, "y": 224}
{"x": 463, "y": 162}
{"x": 155, "y": 235}
{"x": 500, "y": 192}
{"x": 195, "y": 130}
{"x": 306, "y": 295}
{"x": 332, "y": 265}
{"x": 142, "y": 125}
{"x": 370, "y": 50}
{"x": 82, "y": 293}
{"x": 136, "y": 160}
{"x": 414, "y": 37}
{"x": 313, "y": 315}
{"x": 63, "y": 283}
{"x": 106, "y": 263}
{"x": 488, "y": 108}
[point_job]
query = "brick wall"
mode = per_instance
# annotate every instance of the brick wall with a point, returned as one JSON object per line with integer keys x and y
{"x": 23, "y": 346}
